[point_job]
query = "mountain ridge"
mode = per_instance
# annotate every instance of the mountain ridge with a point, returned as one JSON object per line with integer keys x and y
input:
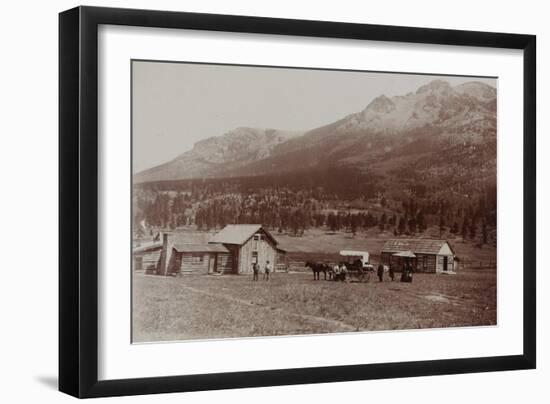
{"x": 435, "y": 118}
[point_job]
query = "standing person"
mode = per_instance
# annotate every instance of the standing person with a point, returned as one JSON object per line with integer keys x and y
{"x": 406, "y": 276}
{"x": 380, "y": 272}
{"x": 392, "y": 272}
{"x": 256, "y": 270}
{"x": 410, "y": 272}
{"x": 336, "y": 272}
{"x": 343, "y": 271}
{"x": 268, "y": 269}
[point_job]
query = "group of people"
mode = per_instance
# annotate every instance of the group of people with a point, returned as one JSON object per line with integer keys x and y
{"x": 340, "y": 272}
{"x": 406, "y": 273}
{"x": 380, "y": 272}
{"x": 267, "y": 269}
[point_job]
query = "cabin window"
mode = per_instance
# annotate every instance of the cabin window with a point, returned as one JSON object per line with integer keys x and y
{"x": 254, "y": 257}
{"x": 257, "y": 237}
{"x": 197, "y": 259}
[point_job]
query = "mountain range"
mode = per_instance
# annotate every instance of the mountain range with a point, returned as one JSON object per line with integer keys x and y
{"x": 438, "y": 133}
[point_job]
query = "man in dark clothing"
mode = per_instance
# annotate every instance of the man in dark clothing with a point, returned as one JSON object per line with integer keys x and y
{"x": 256, "y": 270}
{"x": 380, "y": 272}
{"x": 406, "y": 276}
{"x": 392, "y": 272}
{"x": 410, "y": 272}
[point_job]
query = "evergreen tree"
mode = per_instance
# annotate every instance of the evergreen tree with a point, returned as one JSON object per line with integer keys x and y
{"x": 353, "y": 224}
{"x": 420, "y": 221}
{"x": 441, "y": 225}
{"x": 473, "y": 229}
{"x": 465, "y": 226}
{"x": 484, "y": 232}
{"x": 412, "y": 225}
{"x": 455, "y": 228}
{"x": 331, "y": 221}
{"x": 401, "y": 227}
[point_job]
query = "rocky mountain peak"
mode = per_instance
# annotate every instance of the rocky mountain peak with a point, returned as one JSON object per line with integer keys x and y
{"x": 478, "y": 90}
{"x": 381, "y": 104}
{"x": 436, "y": 86}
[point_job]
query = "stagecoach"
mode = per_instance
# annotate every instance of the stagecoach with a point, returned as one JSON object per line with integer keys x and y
{"x": 357, "y": 267}
{"x": 357, "y": 264}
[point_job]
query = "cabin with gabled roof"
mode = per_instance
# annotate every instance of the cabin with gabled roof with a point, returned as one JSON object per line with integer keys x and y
{"x": 436, "y": 256}
{"x": 248, "y": 244}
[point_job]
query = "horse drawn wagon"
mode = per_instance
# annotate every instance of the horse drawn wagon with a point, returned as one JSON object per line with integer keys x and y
{"x": 356, "y": 265}
{"x": 353, "y": 266}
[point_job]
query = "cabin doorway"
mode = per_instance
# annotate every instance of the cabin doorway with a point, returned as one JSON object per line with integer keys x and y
{"x": 212, "y": 263}
{"x": 445, "y": 263}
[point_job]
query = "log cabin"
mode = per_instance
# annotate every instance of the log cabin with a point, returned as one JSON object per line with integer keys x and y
{"x": 172, "y": 258}
{"x": 199, "y": 259}
{"x": 436, "y": 256}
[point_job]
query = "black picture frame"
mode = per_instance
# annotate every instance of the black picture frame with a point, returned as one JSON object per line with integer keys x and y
{"x": 78, "y": 200}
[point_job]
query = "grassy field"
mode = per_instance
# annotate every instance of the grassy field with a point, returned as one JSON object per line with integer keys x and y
{"x": 201, "y": 306}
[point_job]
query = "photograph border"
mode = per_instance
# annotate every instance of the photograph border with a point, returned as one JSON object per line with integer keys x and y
{"x": 78, "y": 200}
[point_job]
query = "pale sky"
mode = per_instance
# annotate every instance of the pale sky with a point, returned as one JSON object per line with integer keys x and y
{"x": 177, "y": 104}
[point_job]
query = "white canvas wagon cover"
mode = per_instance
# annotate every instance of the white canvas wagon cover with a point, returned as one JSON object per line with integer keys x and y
{"x": 354, "y": 253}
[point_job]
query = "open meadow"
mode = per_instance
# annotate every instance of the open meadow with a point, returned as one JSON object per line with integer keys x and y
{"x": 228, "y": 306}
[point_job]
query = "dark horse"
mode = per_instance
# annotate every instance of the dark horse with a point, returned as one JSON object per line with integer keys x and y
{"x": 317, "y": 268}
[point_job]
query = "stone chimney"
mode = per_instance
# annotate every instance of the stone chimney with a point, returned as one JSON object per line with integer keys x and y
{"x": 164, "y": 255}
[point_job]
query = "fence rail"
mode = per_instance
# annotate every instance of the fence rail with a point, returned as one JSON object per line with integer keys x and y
{"x": 476, "y": 264}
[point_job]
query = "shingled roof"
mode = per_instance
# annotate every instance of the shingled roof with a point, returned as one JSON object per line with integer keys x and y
{"x": 422, "y": 246}
{"x": 239, "y": 234}
{"x": 147, "y": 247}
{"x": 199, "y": 248}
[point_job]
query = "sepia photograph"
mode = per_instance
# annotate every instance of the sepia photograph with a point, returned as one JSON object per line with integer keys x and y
{"x": 282, "y": 201}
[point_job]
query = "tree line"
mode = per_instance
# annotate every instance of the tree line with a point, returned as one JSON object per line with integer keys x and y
{"x": 294, "y": 210}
